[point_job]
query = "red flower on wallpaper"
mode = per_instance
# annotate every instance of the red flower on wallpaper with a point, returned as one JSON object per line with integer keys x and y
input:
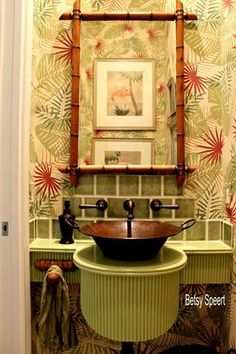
{"x": 161, "y": 89}
{"x": 213, "y": 145}
{"x": 100, "y": 45}
{"x": 128, "y": 26}
{"x": 230, "y": 210}
{"x": 45, "y": 183}
{"x": 64, "y": 50}
{"x": 89, "y": 73}
{"x": 193, "y": 83}
{"x": 153, "y": 32}
{"x": 228, "y": 4}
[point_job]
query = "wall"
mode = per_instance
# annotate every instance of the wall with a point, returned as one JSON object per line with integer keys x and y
{"x": 210, "y": 108}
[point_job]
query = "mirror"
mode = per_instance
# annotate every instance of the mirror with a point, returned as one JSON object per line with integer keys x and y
{"x": 128, "y": 93}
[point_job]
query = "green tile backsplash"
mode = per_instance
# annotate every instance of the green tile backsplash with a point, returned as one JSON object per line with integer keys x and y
{"x": 214, "y": 230}
{"x": 151, "y": 185}
{"x": 170, "y": 186}
{"x": 43, "y": 228}
{"x": 186, "y": 208}
{"x": 85, "y": 185}
{"x": 197, "y": 231}
{"x": 115, "y": 208}
{"x": 129, "y": 185}
{"x": 142, "y": 190}
{"x": 106, "y": 185}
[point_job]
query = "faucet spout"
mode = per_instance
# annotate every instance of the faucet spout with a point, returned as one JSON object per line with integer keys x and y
{"x": 129, "y": 206}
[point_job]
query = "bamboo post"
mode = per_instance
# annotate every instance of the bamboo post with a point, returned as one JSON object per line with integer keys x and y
{"x": 180, "y": 92}
{"x": 75, "y": 95}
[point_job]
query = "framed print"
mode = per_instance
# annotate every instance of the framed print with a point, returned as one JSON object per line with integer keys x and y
{"x": 124, "y": 94}
{"x": 122, "y": 151}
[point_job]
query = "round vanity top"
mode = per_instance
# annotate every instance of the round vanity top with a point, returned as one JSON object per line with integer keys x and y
{"x": 168, "y": 260}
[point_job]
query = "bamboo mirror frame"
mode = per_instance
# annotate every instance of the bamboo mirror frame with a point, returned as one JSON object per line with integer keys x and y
{"x": 180, "y": 170}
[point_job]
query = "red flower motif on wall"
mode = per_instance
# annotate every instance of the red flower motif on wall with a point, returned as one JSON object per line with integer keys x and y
{"x": 153, "y": 32}
{"x": 193, "y": 83}
{"x": 213, "y": 146}
{"x": 46, "y": 184}
{"x": 89, "y": 73}
{"x": 100, "y": 45}
{"x": 161, "y": 89}
{"x": 228, "y": 4}
{"x": 230, "y": 210}
{"x": 64, "y": 50}
{"x": 128, "y": 26}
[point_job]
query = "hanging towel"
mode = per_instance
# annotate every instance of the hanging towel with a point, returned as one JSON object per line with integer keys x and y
{"x": 55, "y": 330}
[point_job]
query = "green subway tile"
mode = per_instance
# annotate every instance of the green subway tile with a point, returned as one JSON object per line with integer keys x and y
{"x": 163, "y": 213}
{"x": 186, "y": 208}
{"x": 56, "y": 229}
{"x": 228, "y": 234}
{"x": 32, "y": 230}
{"x": 179, "y": 236}
{"x": 151, "y": 185}
{"x": 43, "y": 228}
{"x": 214, "y": 230}
{"x": 85, "y": 185}
{"x": 128, "y": 185}
{"x": 74, "y": 205}
{"x": 141, "y": 209}
{"x": 197, "y": 231}
{"x": 170, "y": 186}
{"x": 115, "y": 208}
{"x": 106, "y": 185}
{"x": 93, "y": 212}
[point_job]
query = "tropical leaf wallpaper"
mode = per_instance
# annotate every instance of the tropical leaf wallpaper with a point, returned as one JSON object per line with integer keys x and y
{"x": 210, "y": 116}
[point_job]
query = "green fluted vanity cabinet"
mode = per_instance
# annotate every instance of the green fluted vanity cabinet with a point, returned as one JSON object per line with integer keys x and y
{"x": 130, "y": 301}
{"x": 136, "y": 301}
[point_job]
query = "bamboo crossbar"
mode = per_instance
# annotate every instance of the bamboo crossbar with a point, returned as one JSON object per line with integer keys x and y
{"x": 127, "y": 169}
{"x": 77, "y": 16}
{"x": 127, "y": 16}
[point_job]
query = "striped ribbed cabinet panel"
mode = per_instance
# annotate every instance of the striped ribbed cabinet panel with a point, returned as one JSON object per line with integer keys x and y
{"x": 207, "y": 269}
{"x": 129, "y": 308}
{"x": 38, "y": 276}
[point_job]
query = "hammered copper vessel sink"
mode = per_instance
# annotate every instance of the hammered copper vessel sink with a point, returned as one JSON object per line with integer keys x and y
{"x": 132, "y": 240}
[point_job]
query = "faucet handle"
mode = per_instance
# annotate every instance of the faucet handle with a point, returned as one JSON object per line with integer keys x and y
{"x": 129, "y": 206}
{"x": 101, "y": 205}
{"x": 156, "y": 204}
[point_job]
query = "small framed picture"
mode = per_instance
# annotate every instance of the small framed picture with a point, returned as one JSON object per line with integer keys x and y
{"x": 123, "y": 151}
{"x": 124, "y": 94}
